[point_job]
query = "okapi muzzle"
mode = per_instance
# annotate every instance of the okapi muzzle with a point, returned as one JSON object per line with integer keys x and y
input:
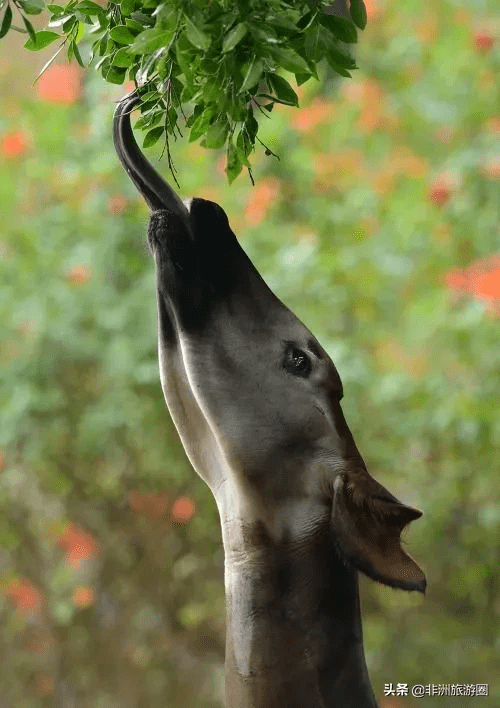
{"x": 256, "y": 402}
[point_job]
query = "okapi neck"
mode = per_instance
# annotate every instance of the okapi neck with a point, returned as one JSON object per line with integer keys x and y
{"x": 294, "y": 635}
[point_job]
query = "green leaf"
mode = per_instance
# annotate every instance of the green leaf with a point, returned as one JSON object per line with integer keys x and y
{"x": 29, "y": 28}
{"x": 171, "y": 119}
{"x": 136, "y": 27}
{"x": 200, "y": 124}
{"x": 338, "y": 57}
{"x": 289, "y": 59}
{"x": 149, "y": 120}
{"x": 69, "y": 24}
{"x": 6, "y": 22}
{"x": 153, "y": 136}
{"x": 358, "y": 13}
{"x": 58, "y": 9}
{"x": 90, "y": 8}
{"x": 283, "y": 90}
{"x": 251, "y": 125}
{"x": 115, "y": 75}
{"x": 42, "y": 40}
{"x": 340, "y": 27}
{"x": 61, "y": 19}
{"x": 80, "y": 32}
{"x": 216, "y": 135}
{"x": 150, "y": 40}
{"x": 143, "y": 19}
{"x": 244, "y": 146}
{"x": 121, "y": 34}
{"x": 234, "y": 164}
{"x": 253, "y": 74}
{"x": 338, "y": 68}
{"x": 127, "y": 7}
{"x": 77, "y": 54}
{"x": 302, "y": 78}
{"x": 233, "y": 37}
{"x": 264, "y": 33}
{"x": 316, "y": 42}
{"x": 306, "y": 20}
{"x": 198, "y": 39}
{"x": 32, "y": 7}
{"x": 123, "y": 58}
{"x": 103, "y": 44}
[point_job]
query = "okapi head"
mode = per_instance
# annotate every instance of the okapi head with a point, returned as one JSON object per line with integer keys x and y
{"x": 257, "y": 403}
{"x": 254, "y": 396}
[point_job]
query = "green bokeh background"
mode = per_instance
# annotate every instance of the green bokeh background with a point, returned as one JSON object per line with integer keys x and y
{"x": 349, "y": 230}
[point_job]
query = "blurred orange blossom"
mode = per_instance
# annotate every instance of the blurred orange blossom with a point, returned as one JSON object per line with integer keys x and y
{"x": 78, "y": 544}
{"x": 154, "y": 504}
{"x": 261, "y": 198}
{"x": 481, "y": 278}
{"x": 83, "y": 596}
{"x": 79, "y": 275}
{"x": 183, "y": 509}
{"x": 24, "y": 596}
{"x": 14, "y": 144}
{"x": 60, "y": 84}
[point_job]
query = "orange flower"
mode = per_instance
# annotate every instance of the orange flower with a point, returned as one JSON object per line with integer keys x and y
{"x": 261, "y": 198}
{"x": 441, "y": 189}
{"x": 79, "y": 275}
{"x": 371, "y": 9}
{"x": 372, "y": 97}
{"x": 83, "y": 596}
{"x": 428, "y": 30}
{"x": 493, "y": 124}
{"x": 117, "y": 204}
{"x": 306, "y": 119}
{"x": 60, "y": 84}
{"x": 481, "y": 278}
{"x": 14, "y": 144}
{"x": 487, "y": 285}
{"x": 456, "y": 279}
{"x": 491, "y": 169}
{"x": 79, "y": 545}
{"x": 183, "y": 509}
{"x": 25, "y": 597}
{"x": 153, "y": 505}
{"x": 484, "y": 39}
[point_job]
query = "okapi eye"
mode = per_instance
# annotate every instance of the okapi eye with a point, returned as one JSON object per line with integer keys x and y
{"x": 297, "y": 362}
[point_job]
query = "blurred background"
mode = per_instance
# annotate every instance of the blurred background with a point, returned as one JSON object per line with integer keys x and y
{"x": 380, "y": 228}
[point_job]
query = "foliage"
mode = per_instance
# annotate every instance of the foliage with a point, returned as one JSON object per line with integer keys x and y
{"x": 379, "y": 227}
{"x": 207, "y": 65}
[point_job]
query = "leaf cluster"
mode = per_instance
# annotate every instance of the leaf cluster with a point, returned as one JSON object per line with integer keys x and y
{"x": 209, "y": 66}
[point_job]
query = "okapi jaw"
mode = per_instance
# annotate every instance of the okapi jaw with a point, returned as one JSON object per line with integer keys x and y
{"x": 256, "y": 401}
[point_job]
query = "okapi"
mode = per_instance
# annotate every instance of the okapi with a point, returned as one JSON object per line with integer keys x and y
{"x": 256, "y": 401}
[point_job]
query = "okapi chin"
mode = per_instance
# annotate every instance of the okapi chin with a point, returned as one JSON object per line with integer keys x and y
{"x": 257, "y": 404}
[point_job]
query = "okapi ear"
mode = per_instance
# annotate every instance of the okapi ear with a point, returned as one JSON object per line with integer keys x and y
{"x": 367, "y": 521}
